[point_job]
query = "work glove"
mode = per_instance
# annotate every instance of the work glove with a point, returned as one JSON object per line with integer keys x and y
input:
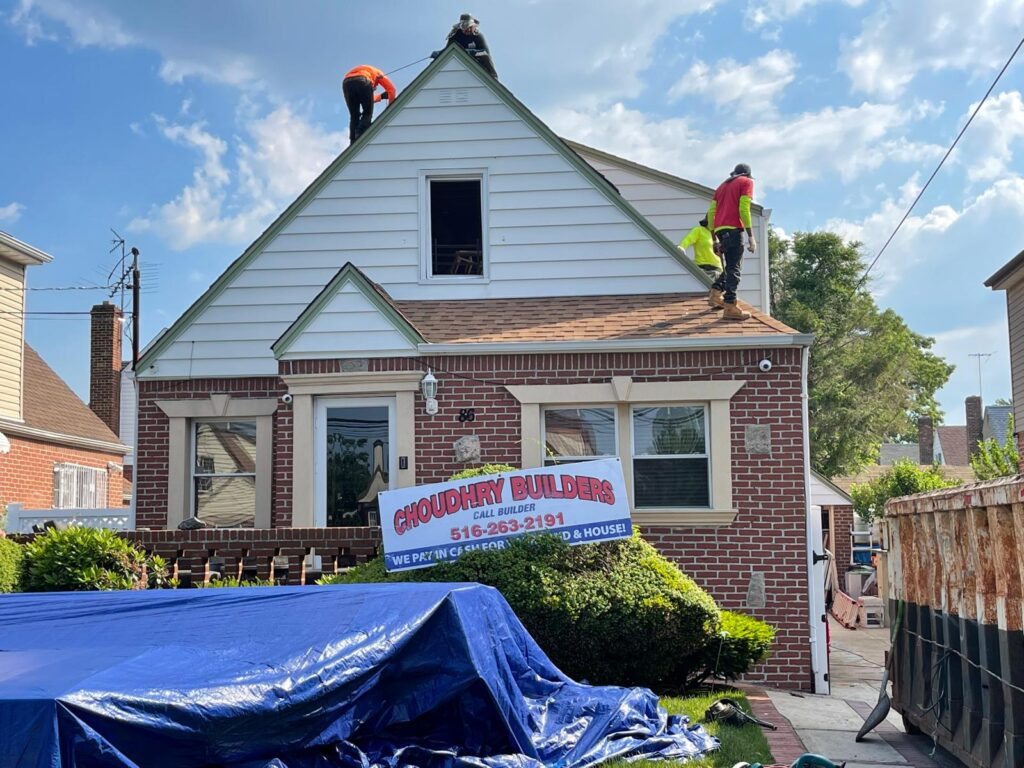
{"x": 751, "y": 244}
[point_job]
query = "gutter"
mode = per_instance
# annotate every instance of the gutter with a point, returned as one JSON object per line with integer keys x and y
{"x": 616, "y": 345}
{"x": 73, "y": 441}
{"x": 813, "y": 616}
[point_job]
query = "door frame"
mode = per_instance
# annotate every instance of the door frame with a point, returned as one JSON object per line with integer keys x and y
{"x": 320, "y": 406}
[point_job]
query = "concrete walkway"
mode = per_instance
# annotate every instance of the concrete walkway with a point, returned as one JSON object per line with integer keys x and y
{"x": 828, "y": 725}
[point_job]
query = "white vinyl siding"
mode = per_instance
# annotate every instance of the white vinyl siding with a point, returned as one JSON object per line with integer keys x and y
{"x": 78, "y": 487}
{"x": 126, "y": 428}
{"x": 12, "y": 329}
{"x": 1015, "y": 319}
{"x": 675, "y": 211}
{"x": 550, "y": 232}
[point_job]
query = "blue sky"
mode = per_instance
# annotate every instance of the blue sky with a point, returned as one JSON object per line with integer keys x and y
{"x": 188, "y": 126}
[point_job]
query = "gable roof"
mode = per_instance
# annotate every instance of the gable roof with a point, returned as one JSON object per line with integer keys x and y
{"x": 601, "y": 184}
{"x": 826, "y": 487}
{"x": 348, "y": 274}
{"x": 653, "y": 173}
{"x": 51, "y": 406}
{"x": 12, "y": 248}
{"x": 954, "y": 445}
{"x": 1005, "y": 273}
{"x": 890, "y": 453}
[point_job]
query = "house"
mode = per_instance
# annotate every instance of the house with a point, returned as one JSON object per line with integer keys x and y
{"x": 996, "y": 423}
{"x": 459, "y": 236}
{"x": 949, "y": 445}
{"x": 836, "y": 510}
{"x": 1010, "y": 278}
{"x": 54, "y": 451}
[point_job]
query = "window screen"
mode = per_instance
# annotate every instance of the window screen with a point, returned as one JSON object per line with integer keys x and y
{"x": 456, "y": 228}
{"x": 670, "y": 460}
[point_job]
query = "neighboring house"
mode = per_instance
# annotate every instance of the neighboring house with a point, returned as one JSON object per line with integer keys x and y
{"x": 995, "y": 425}
{"x": 1010, "y": 278}
{"x": 948, "y": 445}
{"x": 460, "y": 236}
{"x": 54, "y": 451}
{"x": 836, "y": 509}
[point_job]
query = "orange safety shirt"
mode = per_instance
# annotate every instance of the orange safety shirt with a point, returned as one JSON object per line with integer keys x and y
{"x": 376, "y": 77}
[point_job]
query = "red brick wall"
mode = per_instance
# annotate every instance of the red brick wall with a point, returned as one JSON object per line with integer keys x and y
{"x": 768, "y": 536}
{"x": 842, "y": 522}
{"x": 105, "y": 364}
{"x": 26, "y": 473}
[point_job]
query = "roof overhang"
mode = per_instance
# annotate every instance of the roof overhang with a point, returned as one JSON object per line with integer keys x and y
{"x": 73, "y": 441}
{"x": 12, "y": 248}
{"x": 1009, "y": 273}
{"x": 669, "y": 344}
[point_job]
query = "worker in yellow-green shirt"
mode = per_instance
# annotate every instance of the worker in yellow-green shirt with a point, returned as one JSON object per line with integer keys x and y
{"x": 703, "y": 243}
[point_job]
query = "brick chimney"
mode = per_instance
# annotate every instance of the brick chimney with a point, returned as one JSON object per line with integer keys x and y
{"x": 105, "y": 364}
{"x": 972, "y": 406}
{"x": 926, "y": 440}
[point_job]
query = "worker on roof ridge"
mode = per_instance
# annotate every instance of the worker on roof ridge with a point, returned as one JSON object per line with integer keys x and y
{"x": 703, "y": 243}
{"x": 467, "y": 35}
{"x": 359, "y": 86}
{"x": 729, "y": 215}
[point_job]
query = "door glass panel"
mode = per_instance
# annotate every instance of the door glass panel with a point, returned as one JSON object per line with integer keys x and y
{"x": 358, "y": 451}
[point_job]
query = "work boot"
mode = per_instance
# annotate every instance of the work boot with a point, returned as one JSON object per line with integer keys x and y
{"x": 716, "y": 298}
{"x": 733, "y": 312}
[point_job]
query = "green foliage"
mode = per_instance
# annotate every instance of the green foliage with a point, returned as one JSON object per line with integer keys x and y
{"x": 11, "y": 554}
{"x": 870, "y": 376}
{"x": 994, "y": 460}
{"x": 234, "y": 581}
{"x": 77, "y": 559}
{"x": 613, "y": 612}
{"x": 903, "y": 479}
{"x": 486, "y": 469}
{"x": 741, "y": 643}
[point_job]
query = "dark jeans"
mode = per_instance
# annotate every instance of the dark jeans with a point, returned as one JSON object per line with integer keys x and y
{"x": 358, "y": 93}
{"x": 732, "y": 254}
{"x": 712, "y": 272}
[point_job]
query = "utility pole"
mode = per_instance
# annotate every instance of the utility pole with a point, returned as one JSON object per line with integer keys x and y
{"x": 128, "y": 277}
{"x": 981, "y": 356}
{"x": 136, "y": 284}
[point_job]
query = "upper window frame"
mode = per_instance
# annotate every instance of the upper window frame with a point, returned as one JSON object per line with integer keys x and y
{"x": 426, "y": 276}
{"x": 195, "y": 476}
{"x": 566, "y": 407}
{"x": 630, "y": 410}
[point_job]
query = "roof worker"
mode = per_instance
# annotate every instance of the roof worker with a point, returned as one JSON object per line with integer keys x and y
{"x": 359, "y": 86}
{"x": 703, "y": 243}
{"x": 730, "y": 216}
{"x": 467, "y": 35}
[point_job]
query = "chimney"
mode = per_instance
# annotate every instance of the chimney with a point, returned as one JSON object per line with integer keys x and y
{"x": 972, "y": 405}
{"x": 926, "y": 440}
{"x": 105, "y": 365}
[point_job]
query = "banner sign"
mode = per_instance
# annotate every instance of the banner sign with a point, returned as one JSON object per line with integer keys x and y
{"x": 581, "y": 502}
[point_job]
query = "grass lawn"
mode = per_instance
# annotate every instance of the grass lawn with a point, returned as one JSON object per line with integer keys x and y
{"x": 738, "y": 744}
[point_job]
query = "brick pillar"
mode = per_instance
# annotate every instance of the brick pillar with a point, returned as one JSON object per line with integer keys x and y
{"x": 105, "y": 365}
{"x": 926, "y": 440}
{"x": 972, "y": 406}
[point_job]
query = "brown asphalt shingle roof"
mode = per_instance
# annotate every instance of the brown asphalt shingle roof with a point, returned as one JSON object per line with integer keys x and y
{"x": 579, "y": 318}
{"x": 954, "y": 445}
{"x": 48, "y": 403}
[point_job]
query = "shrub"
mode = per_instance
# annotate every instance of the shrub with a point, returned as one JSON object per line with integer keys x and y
{"x": 234, "y": 581}
{"x": 10, "y": 565}
{"x": 994, "y": 459}
{"x": 613, "y": 612}
{"x": 902, "y": 479}
{"x": 741, "y": 643}
{"x": 486, "y": 469}
{"x": 81, "y": 559}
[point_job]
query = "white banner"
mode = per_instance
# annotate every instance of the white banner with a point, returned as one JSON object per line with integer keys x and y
{"x": 581, "y": 502}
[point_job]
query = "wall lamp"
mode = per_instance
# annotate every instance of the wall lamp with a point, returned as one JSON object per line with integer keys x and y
{"x": 428, "y": 385}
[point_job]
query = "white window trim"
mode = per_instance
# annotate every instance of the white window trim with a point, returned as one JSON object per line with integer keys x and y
{"x": 194, "y": 456}
{"x": 100, "y": 495}
{"x": 543, "y": 430}
{"x": 633, "y": 455}
{"x": 623, "y": 391}
{"x": 452, "y": 174}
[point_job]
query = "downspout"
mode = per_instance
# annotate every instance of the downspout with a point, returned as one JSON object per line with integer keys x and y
{"x": 812, "y": 613}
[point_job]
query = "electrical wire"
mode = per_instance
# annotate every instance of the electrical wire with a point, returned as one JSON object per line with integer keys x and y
{"x": 955, "y": 652}
{"x": 941, "y": 162}
{"x": 407, "y": 65}
{"x": 59, "y": 288}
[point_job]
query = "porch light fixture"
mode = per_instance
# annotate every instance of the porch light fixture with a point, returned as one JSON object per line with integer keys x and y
{"x": 428, "y": 385}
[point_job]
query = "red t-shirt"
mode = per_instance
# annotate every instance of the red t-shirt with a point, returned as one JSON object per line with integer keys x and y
{"x": 727, "y": 202}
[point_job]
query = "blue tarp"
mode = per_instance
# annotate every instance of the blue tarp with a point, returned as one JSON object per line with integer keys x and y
{"x": 395, "y": 675}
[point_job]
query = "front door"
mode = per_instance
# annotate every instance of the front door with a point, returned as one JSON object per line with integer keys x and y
{"x": 354, "y": 459}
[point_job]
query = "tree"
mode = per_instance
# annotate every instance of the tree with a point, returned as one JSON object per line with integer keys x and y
{"x": 994, "y": 460}
{"x": 870, "y": 376}
{"x": 902, "y": 479}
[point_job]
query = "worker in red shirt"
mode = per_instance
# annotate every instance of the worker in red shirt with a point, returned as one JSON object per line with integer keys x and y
{"x": 359, "y": 86}
{"x": 730, "y": 216}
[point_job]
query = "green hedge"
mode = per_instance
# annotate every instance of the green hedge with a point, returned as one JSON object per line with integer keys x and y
{"x": 615, "y": 612}
{"x": 742, "y": 642}
{"x": 83, "y": 559}
{"x": 10, "y": 565}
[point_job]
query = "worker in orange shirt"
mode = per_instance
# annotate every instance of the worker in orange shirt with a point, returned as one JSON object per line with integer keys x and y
{"x": 359, "y": 87}
{"x": 729, "y": 215}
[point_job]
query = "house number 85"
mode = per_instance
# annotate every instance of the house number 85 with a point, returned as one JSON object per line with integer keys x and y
{"x": 467, "y": 414}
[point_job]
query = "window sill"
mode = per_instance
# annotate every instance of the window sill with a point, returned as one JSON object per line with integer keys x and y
{"x": 685, "y": 518}
{"x": 454, "y": 279}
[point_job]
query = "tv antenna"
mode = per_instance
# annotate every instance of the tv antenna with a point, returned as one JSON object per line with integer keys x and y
{"x": 982, "y": 358}
{"x": 129, "y": 278}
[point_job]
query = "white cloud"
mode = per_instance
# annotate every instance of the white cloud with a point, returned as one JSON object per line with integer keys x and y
{"x": 281, "y": 155}
{"x": 87, "y": 25}
{"x": 988, "y": 146}
{"x": 762, "y": 12}
{"x": 11, "y": 213}
{"x": 905, "y": 37}
{"x": 784, "y": 152}
{"x": 754, "y": 85}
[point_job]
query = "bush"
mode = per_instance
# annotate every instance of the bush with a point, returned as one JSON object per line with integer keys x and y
{"x": 82, "y": 559}
{"x": 234, "y": 581}
{"x": 613, "y": 612}
{"x": 486, "y": 469}
{"x": 741, "y": 643}
{"x": 902, "y": 479}
{"x": 10, "y": 565}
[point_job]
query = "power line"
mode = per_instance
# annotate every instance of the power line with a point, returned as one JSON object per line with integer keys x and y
{"x": 943, "y": 160}
{"x": 58, "y": 288}
{"x": 406, "y": 66}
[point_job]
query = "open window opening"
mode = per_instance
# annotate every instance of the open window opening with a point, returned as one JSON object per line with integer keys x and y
{"x": 456, "y": 227}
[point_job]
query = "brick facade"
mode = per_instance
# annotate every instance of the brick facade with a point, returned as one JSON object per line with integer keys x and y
{"x": 842, "y": 529}
{"x": 768, "y": 535}
{"x": 26, "y": 473}
{"x": 105, "y": 364}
